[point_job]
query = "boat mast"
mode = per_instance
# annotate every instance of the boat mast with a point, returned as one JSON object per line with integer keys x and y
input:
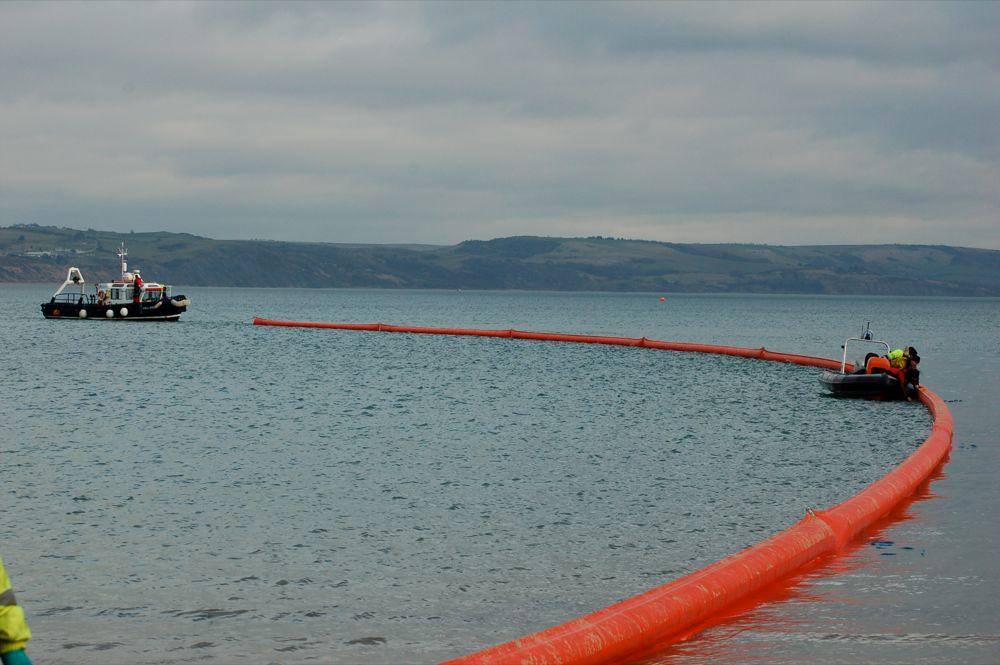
{"x": 122, "y": 253}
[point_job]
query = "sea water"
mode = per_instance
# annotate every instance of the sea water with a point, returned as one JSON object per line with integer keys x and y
{"x": 211, "y": 490}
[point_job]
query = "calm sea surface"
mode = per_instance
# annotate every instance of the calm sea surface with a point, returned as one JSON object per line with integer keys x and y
{"x": 214, "y": 491}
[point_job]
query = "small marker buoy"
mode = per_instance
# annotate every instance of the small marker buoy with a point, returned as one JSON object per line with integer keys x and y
{"x": 662, "y": 299}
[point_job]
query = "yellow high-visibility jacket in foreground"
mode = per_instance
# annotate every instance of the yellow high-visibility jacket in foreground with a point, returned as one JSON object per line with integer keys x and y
{"x": 14, "y": 633}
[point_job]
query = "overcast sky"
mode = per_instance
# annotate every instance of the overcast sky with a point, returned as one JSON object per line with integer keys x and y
{"x": 778, "y": 123}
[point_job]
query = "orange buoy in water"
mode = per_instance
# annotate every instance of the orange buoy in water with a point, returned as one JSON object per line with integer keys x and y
{"x": 662, "y": 299}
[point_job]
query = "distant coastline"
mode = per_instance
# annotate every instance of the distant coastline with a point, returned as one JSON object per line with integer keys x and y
{"x": 40, "y": 254}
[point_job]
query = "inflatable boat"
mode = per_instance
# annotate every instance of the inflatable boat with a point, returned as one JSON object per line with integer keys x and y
{"x": 860, "y": 383}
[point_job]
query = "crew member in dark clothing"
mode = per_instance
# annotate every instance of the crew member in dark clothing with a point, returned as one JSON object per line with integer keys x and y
{"x": 913, "y": 367}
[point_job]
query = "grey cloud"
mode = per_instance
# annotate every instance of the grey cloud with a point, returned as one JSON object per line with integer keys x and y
{"x": 438, "y": 122}
{"x": 866, "y": 31}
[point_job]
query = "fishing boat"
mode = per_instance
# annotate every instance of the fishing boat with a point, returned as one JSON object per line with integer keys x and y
{"x": 864, "y": 380}
{"x": 128, "y": 298}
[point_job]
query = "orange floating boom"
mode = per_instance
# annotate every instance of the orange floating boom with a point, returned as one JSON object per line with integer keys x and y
{"x": 651, "y": 618}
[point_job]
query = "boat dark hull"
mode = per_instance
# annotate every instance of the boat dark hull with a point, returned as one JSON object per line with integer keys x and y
{"x": 161, "y": 310}
{"x": 871, "y": 386}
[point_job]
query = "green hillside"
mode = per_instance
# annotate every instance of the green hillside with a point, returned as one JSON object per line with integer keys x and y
{"x": 30, "y": 253}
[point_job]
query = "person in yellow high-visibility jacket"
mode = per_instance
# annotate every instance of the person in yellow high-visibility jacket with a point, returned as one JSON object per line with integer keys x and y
{"x": 14, "y": 632}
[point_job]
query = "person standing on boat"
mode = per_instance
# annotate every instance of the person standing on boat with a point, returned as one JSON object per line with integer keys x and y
{"x": 14, "y": 632}
{"x": 136, "y": 286}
